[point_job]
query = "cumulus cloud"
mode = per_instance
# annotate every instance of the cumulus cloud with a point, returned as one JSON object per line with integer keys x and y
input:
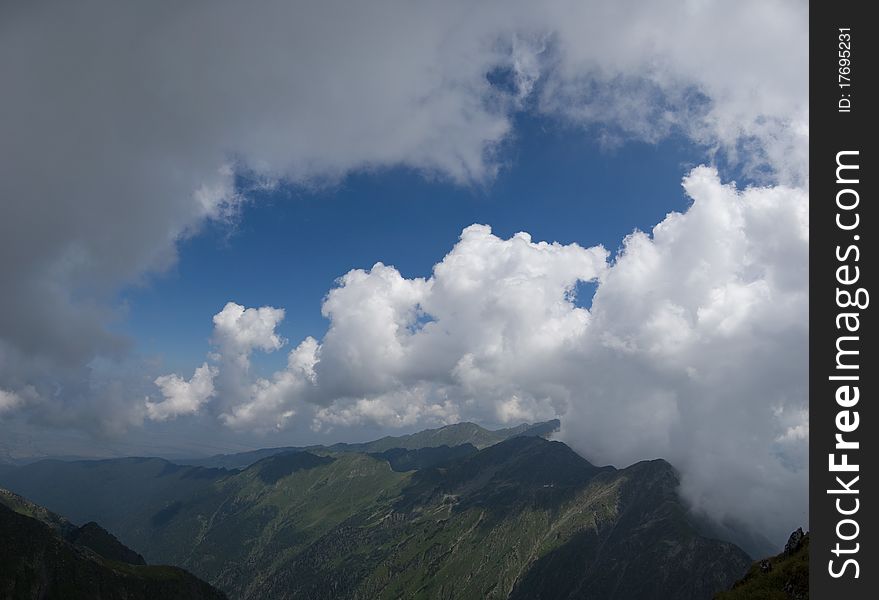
{"x": 694, "y": 348}
{"x": 493, "y": 308}
{"x": 698, "y": 352}
{"x": 266, "y": 402}
{"x": 9, "y": 401}
{"x": 182, "y": 397}
{"x": 238, "y": 330}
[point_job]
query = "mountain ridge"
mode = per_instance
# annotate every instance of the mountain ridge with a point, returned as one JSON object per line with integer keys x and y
{"x": 514, "y": 520}
{"x": 456, "y": 434}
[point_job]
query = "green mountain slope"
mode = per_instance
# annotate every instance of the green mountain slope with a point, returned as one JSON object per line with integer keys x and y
{"x": 244, "y": 532}
{"x": 523, "y": 518}
{"x": 36, "y": 562}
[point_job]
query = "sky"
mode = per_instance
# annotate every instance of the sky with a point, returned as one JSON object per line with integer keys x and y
{"x": 558, "y": 185}
{"x": 226, "y": 226}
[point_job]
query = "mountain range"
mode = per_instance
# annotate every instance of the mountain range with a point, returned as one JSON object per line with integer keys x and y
{"x": 450, "y": 435}
{"x": 457, "y": 512}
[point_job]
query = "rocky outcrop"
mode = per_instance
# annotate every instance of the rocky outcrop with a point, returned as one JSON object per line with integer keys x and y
{"x": 794, "y": 542}
{"x": 784, "y": 576}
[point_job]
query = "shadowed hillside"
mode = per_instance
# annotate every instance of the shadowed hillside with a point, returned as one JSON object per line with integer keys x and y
{"x": 36, "y": 562}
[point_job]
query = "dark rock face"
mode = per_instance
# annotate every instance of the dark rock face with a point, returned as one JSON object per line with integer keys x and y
{"x": 794, "y": 542}
{"x": 36, "y": 563}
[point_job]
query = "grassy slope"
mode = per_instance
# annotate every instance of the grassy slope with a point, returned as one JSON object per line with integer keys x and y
{"x": 479, "y": 552}
{"x": 527, "y": 518}
{"x": 479, "y": 528}
{"x": 791, "y": 572}
{"x": 249, "y": 524}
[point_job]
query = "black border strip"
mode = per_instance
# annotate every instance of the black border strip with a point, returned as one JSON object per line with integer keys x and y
{"x": 842, "y": 260}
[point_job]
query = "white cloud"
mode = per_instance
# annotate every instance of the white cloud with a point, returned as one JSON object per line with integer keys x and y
{"x": 9, "y": 401}
{"x": 182, "y": 397}
{"x": 404, "y": 407}
{"x": 266, "y": 403}
{"x": 685, "y": 66}
{"x": 239, "y": 330}
{"x": 697, "y": 333}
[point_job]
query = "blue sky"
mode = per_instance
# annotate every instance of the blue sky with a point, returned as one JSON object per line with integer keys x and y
{"x": 287, "y": 246}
